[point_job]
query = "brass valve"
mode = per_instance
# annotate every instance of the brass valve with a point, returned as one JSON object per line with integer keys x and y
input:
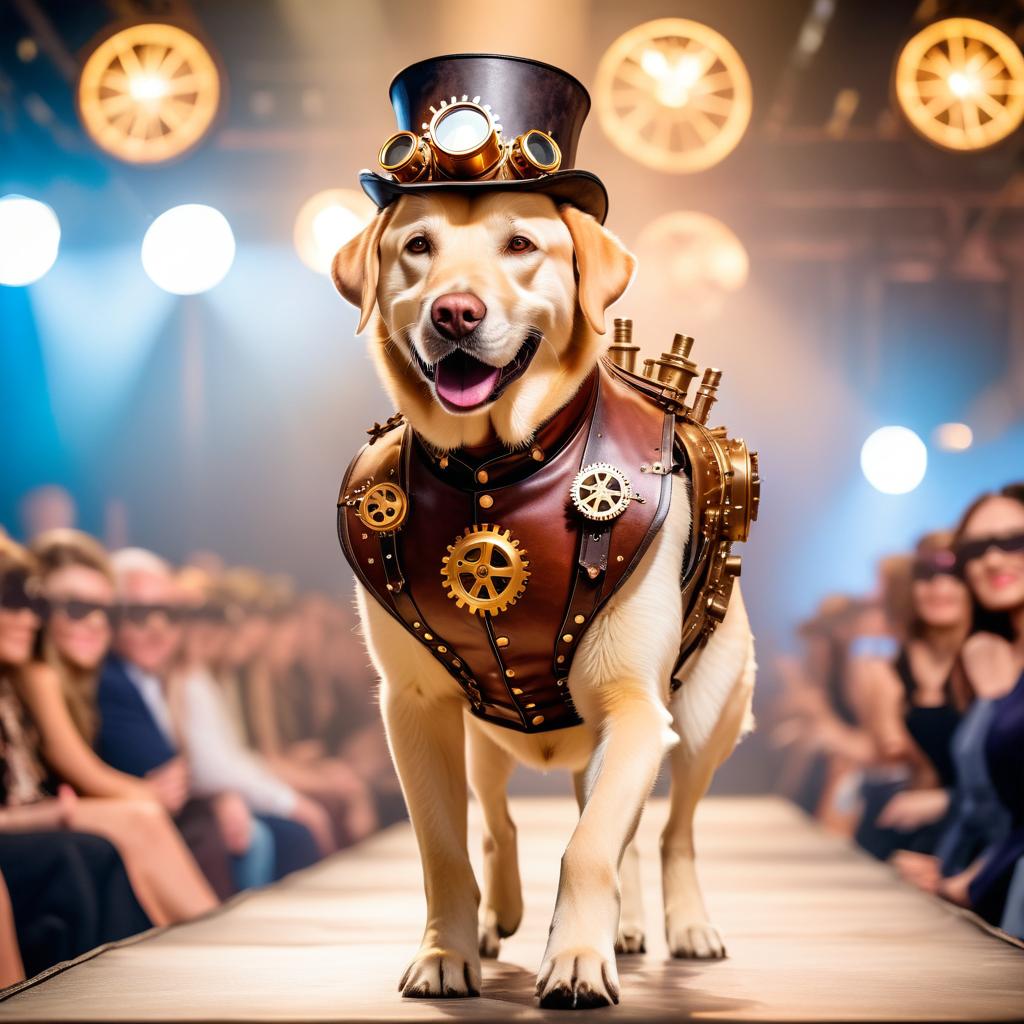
{"x": 674, "y": 369}
{"x": 622, "y": 351}
{"x": 706, "y": 394}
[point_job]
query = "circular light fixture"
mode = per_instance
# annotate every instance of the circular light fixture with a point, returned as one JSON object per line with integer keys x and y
{"x": 894, "y": 460}
{"x": 954, "y": 437}
{"x": 188, "y": 249}
{"x": 960, "y": 83}
{"x": 695, "y": 258}
{"x": 326, "y": 222}
{"x": 674, "y": 94}
{"x": 148, "y": 93}
{"x": 29, "y": 240}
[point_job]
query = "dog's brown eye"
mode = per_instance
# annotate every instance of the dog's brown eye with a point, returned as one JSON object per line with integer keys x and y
{"x": 417, "y": 245}
{"x": 519, "y": 243}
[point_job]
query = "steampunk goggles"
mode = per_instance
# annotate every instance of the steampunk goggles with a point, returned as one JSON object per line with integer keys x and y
{"x": 462, "y": 142}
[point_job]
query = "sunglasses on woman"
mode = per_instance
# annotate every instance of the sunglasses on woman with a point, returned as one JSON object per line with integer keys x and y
{"x": 17, "y": 591}
{"x": 936, "y": 563}
{"x": 78, "y": 610}
{"x": 969, "y": 550}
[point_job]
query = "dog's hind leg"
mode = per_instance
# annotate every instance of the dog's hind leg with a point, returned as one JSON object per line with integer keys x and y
{"x": 722, "y": 685}
{"x": 630, "y": 936}
{"x": 501, "y": 910}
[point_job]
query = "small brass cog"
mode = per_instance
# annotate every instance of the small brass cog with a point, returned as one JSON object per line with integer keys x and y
{"x": 383, "y": 508}
{"x": 484, "y": 570}
{"x": 601, "y": 491}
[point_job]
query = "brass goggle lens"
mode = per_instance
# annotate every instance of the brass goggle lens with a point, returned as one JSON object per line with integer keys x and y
{"x": 535, "y": 152}
{"x": 462, "y": 129}
{"x": 404, "y": 157}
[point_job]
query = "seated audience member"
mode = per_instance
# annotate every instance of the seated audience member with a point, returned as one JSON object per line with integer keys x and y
{"x": 136, "y": 729}
{"x": 217, "y": 755}
{"x": 914, "y": 705}
{"x": 261, "y": 657}
{"x": 68, "y": 890}
{"x": 989, "y": 544}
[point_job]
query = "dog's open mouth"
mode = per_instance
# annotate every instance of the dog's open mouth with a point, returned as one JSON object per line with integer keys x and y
{"x": 464, "y": 383}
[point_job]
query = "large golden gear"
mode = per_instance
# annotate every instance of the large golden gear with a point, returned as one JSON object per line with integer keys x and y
{"x": 383, "y": 508}
{"x": 601, "y": 492}
{"x": 484, "y": 570}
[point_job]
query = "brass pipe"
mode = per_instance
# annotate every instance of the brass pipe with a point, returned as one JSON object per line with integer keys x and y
{"x": 622, "y": 351}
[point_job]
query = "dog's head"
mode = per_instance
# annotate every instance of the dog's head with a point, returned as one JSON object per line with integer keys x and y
{"x": 490, "y": 308}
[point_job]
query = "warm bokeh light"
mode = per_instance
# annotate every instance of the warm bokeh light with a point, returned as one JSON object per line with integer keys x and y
{"x": 188, "y": 249}
{"x": 29, "y": 240}
{"x": 960, "y": 83}
{"x": 894, "y": 460}
{"x": 148, "y": 93}
{"x": 673, "y": 94}
{"x": 326, "y": 222}
{"x": 954, "y": 437}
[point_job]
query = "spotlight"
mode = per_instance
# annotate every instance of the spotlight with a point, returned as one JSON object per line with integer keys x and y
{"x": 894, "y": 460}
{"x": 960, "y": 83}
{"x": 29, "y": 239}
{"x": 674, "y": 94}
{"x": 188, "y": 249}
{"x": 326, "y": 222}
{"x": 696, "y": 259}
{"x": 148, "y": 93}
{"x": 954, "y": 437}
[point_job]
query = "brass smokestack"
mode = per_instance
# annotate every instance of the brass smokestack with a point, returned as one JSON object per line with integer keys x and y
{"x": 675, "y": 368}
{"x": 706, "y": 394}
{"x": 622, "y": 351}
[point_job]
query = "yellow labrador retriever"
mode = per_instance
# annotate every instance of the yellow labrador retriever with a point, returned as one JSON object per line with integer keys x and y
{"x": 498, "y": 267}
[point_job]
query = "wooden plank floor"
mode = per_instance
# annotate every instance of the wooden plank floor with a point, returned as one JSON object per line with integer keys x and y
{"x": 815, "y": 931}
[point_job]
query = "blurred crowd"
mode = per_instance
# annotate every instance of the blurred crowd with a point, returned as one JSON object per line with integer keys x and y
{"x": 902, "y": 716}
{"x": 168, "y": 737}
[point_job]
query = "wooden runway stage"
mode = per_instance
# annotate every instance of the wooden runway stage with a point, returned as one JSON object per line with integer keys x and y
{"x": 815, "y": 931}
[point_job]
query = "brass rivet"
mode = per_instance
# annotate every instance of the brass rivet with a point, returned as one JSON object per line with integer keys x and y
{"x": 390, "y": 587}
{"x": 369, "y": 561}
{"x": 442, "y": 649}
{"x": 511, "y": 673}
{"x": 537, "y": 453}
{"x": 443, "y": 462}
{"x": 567, "y": 638}
{"x": 481, "y": 476}
{"x": 516, "y": 690}
{"x": 486, "y": 501}
{"x": 365, "y": 535}
{"x": 593, "y": 571}
{"x": 618, "y": 558}
{"x": 427, "y": 636}
{"x": 528, "y": 706}
{"x": 561, "y": 682}
{"x": 560, "y": 659}
{"x": 537, "y": 719}
{"x": 502, "y": 641}
{"x": 456, "y": 663}
{"x": 579, "y": 618}
{"x": 416, "y": 625}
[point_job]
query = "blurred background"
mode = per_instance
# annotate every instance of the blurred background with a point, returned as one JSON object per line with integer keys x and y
{"x": 826, "y": 193}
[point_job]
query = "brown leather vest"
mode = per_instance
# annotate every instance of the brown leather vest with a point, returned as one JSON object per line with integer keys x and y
{"x": 513, "y": 662}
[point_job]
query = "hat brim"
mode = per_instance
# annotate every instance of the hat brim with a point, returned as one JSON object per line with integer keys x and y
{"x": 580, "y": 188}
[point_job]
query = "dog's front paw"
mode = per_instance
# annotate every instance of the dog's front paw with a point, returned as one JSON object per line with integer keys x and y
{"x": 577, "y": 979}
{"x": 695, "y": 940}
{"x": 441, "y": 973}
{"x": 630, "y": 939}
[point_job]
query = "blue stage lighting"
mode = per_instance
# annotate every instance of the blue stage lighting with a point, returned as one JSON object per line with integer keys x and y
{"x": 29, "y": 239}
{"x": 188, "y": 249}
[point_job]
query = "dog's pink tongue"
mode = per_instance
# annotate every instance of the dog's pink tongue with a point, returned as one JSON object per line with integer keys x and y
{"x": 463, "y": 381}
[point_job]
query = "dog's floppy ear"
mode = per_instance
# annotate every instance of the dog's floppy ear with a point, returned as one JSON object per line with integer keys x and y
{"x": 357, "y": 264}
{"x": 605, "y": 265}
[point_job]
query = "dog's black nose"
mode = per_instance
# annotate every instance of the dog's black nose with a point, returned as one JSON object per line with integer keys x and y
{"x": 457, "y": 314}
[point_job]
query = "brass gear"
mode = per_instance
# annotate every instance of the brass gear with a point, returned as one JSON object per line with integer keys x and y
{"x": 383, "y": 507}
{"x": 601, "y": 491}
{"x": 484, "y": 570}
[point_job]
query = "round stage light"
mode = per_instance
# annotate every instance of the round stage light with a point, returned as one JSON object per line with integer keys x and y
{"x": 954, "y": 437}
{"x": 894, "y": 460}
{"x": 673, "y": 94}
{"x": 188, "y": 249}
{"x": 148, "y": 93}
{"x": 326, "y": 222}
{"x": 960, "y": 83}
{"x": 29, "y": 240}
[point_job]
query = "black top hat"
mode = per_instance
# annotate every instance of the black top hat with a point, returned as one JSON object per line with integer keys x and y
{"x": 521, "y": 94}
